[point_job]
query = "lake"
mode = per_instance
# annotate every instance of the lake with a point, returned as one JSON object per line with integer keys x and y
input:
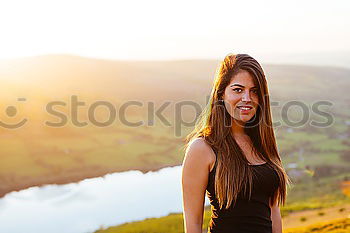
{"x": 86, "y": 205}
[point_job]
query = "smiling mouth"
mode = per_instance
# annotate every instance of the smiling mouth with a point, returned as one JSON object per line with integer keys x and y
{"x": 245, "y": 107}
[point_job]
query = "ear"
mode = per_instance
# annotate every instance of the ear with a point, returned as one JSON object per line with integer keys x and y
{"x": 223, "y": 96}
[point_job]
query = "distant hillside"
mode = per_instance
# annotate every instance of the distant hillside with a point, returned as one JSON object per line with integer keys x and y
{"x": 60, "y": 75}
{"x": 36, "y": 154}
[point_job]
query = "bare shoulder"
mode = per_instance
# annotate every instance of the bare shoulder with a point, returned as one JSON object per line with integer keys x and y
{"x": 194, "y": 179}
{"x": 199, "y": 151}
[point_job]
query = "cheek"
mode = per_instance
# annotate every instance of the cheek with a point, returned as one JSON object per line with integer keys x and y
{"x": 232, "y": 99}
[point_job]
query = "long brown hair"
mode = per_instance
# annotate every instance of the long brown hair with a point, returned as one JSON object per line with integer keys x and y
{"x": 232, "y": 165}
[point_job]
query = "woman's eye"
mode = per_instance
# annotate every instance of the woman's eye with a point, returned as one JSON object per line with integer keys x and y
{"x": 239, "y": 90}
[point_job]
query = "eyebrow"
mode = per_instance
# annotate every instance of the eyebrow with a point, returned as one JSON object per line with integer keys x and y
{"x": 236, "y": 84}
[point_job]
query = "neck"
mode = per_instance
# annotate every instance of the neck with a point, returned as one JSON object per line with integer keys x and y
{"x": 238, "y": 128}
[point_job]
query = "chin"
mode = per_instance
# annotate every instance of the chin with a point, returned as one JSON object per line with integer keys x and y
{"x": 243, "y": 117}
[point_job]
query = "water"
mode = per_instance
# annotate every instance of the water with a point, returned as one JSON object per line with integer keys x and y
{"x": 85, "y": 206}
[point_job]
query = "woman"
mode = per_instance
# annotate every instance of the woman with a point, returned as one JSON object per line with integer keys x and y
{"x": 232, "y": 156}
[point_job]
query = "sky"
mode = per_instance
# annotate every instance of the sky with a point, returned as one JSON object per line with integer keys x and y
{"x": 156, "y": 30}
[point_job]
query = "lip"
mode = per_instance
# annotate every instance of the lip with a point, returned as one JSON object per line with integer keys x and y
{"x": 245, "y": 106}
{"x": 245, "y": 111}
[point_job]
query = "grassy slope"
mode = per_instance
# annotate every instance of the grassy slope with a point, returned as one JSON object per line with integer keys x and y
{"x": 34, "y": 154}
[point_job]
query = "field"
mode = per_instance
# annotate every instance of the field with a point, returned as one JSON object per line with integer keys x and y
{"x": 316, "y": 157}
{"x": 38, "y": 153}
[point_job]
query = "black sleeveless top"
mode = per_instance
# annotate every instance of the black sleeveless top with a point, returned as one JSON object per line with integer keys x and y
{"x": 246, "y": 216}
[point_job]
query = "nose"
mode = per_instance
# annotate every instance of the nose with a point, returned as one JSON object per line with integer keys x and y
{"x": 246, "y": 96}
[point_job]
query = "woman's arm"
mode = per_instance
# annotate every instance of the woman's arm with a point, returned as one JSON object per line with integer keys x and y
{"x": 195, "y": 171}
{"x": 276, "y": 219}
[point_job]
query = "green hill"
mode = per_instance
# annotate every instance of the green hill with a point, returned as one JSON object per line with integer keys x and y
{"x": 37, "y": 154}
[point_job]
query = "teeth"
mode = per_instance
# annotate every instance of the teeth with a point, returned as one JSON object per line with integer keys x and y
{"x": 244, "y": 108}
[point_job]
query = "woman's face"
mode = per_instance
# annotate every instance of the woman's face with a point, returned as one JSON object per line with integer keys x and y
{"x": 241, "y": 92}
